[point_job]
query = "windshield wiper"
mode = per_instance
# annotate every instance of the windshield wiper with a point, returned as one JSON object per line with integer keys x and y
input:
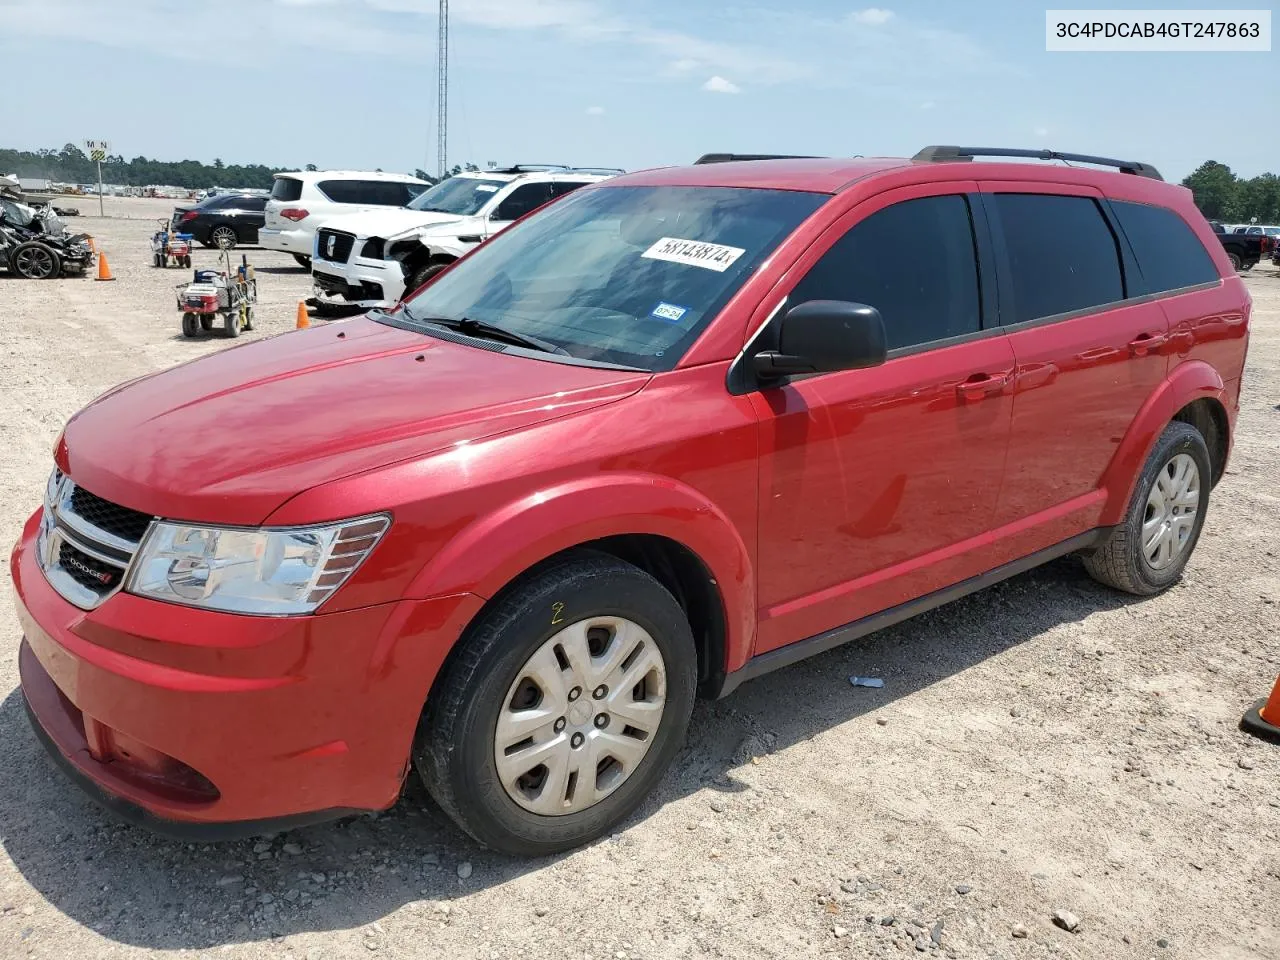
{"x": 490, "y": 331}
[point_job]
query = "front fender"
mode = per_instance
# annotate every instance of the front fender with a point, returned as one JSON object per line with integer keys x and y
{"x": 1189, "y": 381}
{"x": 499, "y": 546}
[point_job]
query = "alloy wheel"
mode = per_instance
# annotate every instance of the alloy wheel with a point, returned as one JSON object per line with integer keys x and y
{"x": 34, "y": 263}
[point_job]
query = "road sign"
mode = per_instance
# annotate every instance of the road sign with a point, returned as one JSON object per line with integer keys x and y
{"x": 97, "y": 149}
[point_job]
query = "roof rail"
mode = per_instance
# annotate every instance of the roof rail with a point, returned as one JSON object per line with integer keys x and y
{"x": 731, "y": 157}
{"x": 936, "y": 154}
{"x": 598, "y": 171}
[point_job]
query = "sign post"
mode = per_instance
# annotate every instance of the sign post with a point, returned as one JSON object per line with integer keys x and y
{"x": 98, "y": 151}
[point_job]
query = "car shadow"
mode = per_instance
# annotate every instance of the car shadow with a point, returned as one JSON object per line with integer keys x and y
{"x": 108, "y": 876}
{"x": 289, "y": 269}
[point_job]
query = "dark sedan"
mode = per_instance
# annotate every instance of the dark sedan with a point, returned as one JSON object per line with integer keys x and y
{"x": 230, "y": 217}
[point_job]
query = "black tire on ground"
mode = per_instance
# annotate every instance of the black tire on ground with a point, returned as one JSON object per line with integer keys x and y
{"x": 231, "y": 323}
{"x": 248, "y": 318}
{"x": 224, "y": 235}
{"x": 191, "y": 324}
{"x": 206, "y": 322}
{"x": 1120, "y": 560}
{"x": 34, "y": 260}
{"x": 157, "y": 260}
{"x": 454, "y": 749}
{"x": 1235, "y": 260}
{"x": 186, "y": 261}
{"x": 422, "y": 275}
{"x": 303, "y": 261}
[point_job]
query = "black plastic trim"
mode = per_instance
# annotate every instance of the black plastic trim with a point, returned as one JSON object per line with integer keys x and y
{"x": 803, "y": 649}
{"x": 734, "y": 157}
{"x": 176, "y": 829}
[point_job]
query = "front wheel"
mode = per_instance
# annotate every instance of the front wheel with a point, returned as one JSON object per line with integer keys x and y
{"x": 1148, "y": 551}
{"x": 303, "y": 261}
{"x": 422, "y": 275}
{"x": 35, "y": 261}
{"x": 562, "y": 708}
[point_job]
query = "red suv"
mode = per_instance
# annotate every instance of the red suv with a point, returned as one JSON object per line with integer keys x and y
{"x": 669, "y": 433}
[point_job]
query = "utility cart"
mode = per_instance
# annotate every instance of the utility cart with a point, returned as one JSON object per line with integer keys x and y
{"x": 226, "y": 297}
{"x": 168, "y": 245}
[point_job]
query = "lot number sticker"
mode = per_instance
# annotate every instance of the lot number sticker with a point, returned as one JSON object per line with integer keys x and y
{"x": 668, "y": 312}
{"x": 693, "y": 253}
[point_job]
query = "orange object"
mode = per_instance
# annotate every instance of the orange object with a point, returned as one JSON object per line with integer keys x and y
{"x": 104, "y": 271}
{"x": 304, "y": 320}
{"x": 92, "y": 248}
{"x": 1264, "y": 719}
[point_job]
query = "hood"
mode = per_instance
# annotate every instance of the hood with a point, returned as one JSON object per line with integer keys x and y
{"x": 387, "y": 222}
{"x": 230, "y": 437}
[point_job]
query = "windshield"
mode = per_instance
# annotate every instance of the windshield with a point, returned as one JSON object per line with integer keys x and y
{"x": 623, "y": 275}
{"x": 463, "y": 196}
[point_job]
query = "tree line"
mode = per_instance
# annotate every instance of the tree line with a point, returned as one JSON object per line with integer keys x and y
{"x": 1221, "y": 195}
{"x": 72, "y": 165}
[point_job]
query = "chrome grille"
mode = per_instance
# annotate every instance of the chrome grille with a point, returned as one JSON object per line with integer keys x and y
{"x": 86, "y": 543}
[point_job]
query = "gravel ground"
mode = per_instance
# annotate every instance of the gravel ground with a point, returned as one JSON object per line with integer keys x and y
{"x": 1044, "y": 746}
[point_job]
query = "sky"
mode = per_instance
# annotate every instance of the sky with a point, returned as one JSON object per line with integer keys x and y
{"x": 352, "y": 83}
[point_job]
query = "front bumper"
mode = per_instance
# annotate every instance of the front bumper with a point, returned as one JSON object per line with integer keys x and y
{"x": 211, "y": 724}
{"x": 286, "y": 240}
{"x": 361, "y": 283}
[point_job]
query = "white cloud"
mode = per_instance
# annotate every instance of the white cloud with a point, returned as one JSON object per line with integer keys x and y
{"x": 872, "y": 16}
{"x": 595, "y": 111}
{"x": 683, "y": 66}
{"x": 721, "y": 85}
{"x": 1040, "y": 132}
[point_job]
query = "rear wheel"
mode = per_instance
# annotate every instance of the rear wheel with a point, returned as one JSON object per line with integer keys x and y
{"x": 1148, "y": 551}
{"x": 191, "y": 324}
{"x": 223, "y": 237}
{"x": 562, "y": 707}
{"x": 1235, "y": 260}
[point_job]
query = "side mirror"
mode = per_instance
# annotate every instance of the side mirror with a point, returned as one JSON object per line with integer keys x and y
{"x": 823, "y": 336}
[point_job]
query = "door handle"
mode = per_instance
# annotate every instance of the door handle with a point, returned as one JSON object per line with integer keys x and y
{"x": 981, "y": 385}
{"x": 1145, "y": 343}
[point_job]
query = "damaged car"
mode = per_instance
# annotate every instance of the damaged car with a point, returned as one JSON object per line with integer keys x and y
{"x": 35, "y": 245}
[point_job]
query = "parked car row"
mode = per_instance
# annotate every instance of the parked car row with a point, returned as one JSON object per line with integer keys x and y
{"x": 1244, "y": 249}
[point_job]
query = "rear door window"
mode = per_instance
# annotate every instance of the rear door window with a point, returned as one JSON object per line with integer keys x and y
{"x": 560, "y": 187}
{"x": 877, "y": 263}
{"x": 1169, "y": 253}
{"x": 286, "y": 189}
{"x": 1062, "y": 254}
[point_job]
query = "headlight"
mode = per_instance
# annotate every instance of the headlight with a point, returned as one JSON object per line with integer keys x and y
{"x": 272, "y": 572}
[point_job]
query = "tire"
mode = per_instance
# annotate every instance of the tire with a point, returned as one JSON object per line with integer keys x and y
{"x": 231, "y": 324}
{"x": 191, "y": 324}
{"x": 35, "y": 261}
{"x": 1235, "y": 260}
{"x": 248, "y": 318}
{"x": 186, "y": 262}
{"x": 303, "y": 261}
{"x": 157, "y": 260}
{"x": 422, "y": 275}
{"x": 1122, "y": 561}
{"x": 455, "y": 750}
{"x": 224, "y": 234}
{"x": 206, "y": 323}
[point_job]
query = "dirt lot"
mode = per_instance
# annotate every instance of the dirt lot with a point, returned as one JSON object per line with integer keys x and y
{"x": 1045, "y": 745}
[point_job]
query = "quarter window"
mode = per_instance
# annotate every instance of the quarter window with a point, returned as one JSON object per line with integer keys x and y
{"x": 1169, "y": 253}
{"x": 1062, "y": 254}
{"x": 879, "y": 263}
{"x": 522, "y": 200}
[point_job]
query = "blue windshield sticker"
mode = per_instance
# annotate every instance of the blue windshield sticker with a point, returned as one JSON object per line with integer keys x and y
{"x": 668, "y": 312}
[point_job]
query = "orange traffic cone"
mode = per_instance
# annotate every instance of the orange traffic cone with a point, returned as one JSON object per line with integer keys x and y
{"x": 304, "y": 320}
{"x": 89, "y": 241}
{"x": 1264, "y": 719}
{"x": 104, "y": 271}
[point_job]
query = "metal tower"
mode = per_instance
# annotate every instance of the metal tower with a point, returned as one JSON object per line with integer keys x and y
{"x": 442, "y": 108}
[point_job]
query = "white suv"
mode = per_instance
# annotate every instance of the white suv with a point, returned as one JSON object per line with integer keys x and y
{"x": 371, "y": 259}
{"x": 300, "y": 202}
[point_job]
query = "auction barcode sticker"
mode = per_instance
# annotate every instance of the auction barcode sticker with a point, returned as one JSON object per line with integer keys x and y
{"x": 1158, "y": 31}
{"x": 694, "y": 253}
